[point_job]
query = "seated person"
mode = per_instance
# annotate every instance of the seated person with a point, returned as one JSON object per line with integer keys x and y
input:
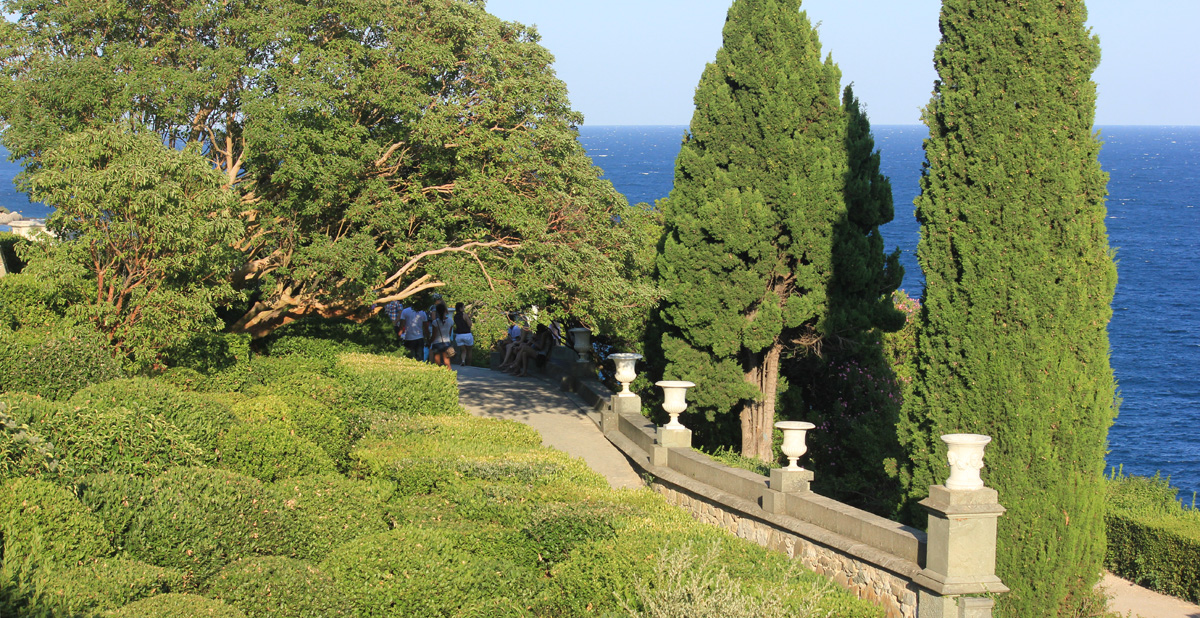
{"x": 536, "y": 349}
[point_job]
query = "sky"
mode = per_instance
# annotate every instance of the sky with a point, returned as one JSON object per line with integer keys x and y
{"x": 637, "y": 62}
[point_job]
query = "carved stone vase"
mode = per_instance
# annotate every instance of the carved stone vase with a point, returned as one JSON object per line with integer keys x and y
{"x": 965, "y": 452}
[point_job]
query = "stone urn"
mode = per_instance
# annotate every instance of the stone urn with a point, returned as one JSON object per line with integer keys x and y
{"x": 673, "y": 400}
{"x": 794, "y": 433}
{"x": 583, "y": 343}
{"x": 626, "y": 363}
{"x": 965, "y": 452}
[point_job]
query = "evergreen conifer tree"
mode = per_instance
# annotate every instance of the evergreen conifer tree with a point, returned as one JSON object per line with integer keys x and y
{"x": 760, "y": 185}
{"x": 1019, "y": 284}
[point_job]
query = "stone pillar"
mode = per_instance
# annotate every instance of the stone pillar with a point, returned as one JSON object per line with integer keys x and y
{"x": 610, "y": 417}
{"x": 785, "y": 481}
{"x": 960, "y": 556}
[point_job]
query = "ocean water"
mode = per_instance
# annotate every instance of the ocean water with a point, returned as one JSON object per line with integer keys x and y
{"x": 1153, "y": 223}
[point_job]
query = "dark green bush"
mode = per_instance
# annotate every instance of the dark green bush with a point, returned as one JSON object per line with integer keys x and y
{"x": 399, "y": 386}
{"x": 114, "y": 439}
{"x": 422, "y": 572}
{"x": 201, "y": 418}
{"x": 376, "y": 335}
{"x": 270, "y": 450}
{"x": 23, "y": 452}
{"x": 193, "y": 519}
{"x": 324, "y": 350}
{"x": 1153, "y": 540}
{"x": 209, "y": 352}
{"x": 556, "y": 529}
{"x": 57, "y": 363}
{"x": 319, "y": 513}
{"x": 107, "y": 585}
{"x": 27, "y": 301}
{"x": 311, "y": 419}
{"x": 273, "y": 586}
{"x": 36, "y": 515}
{"x": 177, "y": 606}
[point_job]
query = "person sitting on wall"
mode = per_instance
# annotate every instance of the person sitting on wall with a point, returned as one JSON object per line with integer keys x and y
{"x": 536, "y": 349}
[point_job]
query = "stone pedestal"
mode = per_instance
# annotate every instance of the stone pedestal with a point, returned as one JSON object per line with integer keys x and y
{"x": 791, "y": 481}
{"x": 610, "y": 417}
{"x": 674, "y": 437}
{"x": 960, "y": 556}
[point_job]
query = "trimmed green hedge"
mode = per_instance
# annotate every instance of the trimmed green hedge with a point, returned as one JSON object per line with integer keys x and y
{"x": 1153, "y": 540}
{"x": 57, "y": 363}
{"x": 270, "y": 450}
{"x": 177, "y": 606}
{"x": 400, "y": 386}
{"x": 200, "y": 417}
{"x": 43, "y": 520}
{"x": 273, "y": 586}
{"x": 108, "y": 585}
{"x": 112, "y": 439}
{"x": 311, "y": 419}
{"x": 319, "y": 513}
{"x": 196, "y": 520}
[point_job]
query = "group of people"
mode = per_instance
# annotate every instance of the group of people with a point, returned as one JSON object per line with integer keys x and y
{"x": 447, "y": 335}
{"x": 522, "y": 346}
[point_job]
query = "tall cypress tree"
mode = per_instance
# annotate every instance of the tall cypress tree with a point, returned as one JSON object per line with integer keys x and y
{"x": 1019, "y": 285}
{"x": 747, "y": 255}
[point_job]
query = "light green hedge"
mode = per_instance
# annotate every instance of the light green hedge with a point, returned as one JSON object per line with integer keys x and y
{"x": 399, "y": 386}
{"x": 1153, "y": 540}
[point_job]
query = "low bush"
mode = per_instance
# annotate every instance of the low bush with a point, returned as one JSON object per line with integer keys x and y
{"x": 270, "y": 450}
{"x": 39, "y": 517}
{"x": 376, "y": 335}
{"x": 210, "y": 352}
{"x": 311, "y": 419}
{"x": 109, "y": 584}
{"x": 557, "y": 528}
{"x": 55, "y": 363}
{"x": 177, "y": 606}
{"x": 27, "y": 301}
{"x": 399, "y": 439}
{"x": 319, "y": 513}
{"x": 1153, "y": 540}
{"x": 201, "y": 418}
{"x": 413, "y": 571}
{"x": 113, "y": 439}
{"x": 399, "y": 386}
{"x": 274, "y": 586}
{"x": 196, "y": 520}
{"x": 23, "y": 452}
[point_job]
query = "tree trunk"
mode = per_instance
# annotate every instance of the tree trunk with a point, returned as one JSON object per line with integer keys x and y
{"x": 758, "y": 417}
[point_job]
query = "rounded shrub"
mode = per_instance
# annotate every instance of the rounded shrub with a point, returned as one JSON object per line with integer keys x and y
{"x": 41, "y": 520}
{"x": 55, "y": 363}
{"x": 23, "y": 451}
{"x": 177, "y": 606}
{"x": 200, "y": 417}
{"x": 108, "y": 584}
{"x": 116, "y": 439}
{"x": 270, "y": 450}
{"x": 193, "y": 519}
{"x": 413, "y": 571}
{"x": 275, "y": 586}
{"x": 311, "y": 420}
{"x": 321, "y": 512}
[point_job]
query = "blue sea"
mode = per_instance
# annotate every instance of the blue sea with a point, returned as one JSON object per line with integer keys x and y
{"x": 1153, "y": 223}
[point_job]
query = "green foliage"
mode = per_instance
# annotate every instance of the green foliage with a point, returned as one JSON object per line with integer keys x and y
{"x": 38, "y": 514}
{"x": 108, "y": 584}
{"x": 557, "y": 528}
{"x": 201, "y": 418}
{"x": 8, "y": 250}
{"x": 271, "y": 449}
{"x": 22, "y": 451}
{"x": 399, "y": 386}
{"x": 276, "y": 586}
{"x": 177, "y": 606}
{"x": 378, "y": 151}
{"x": 414, "y": 571}
{"x": 209, "y": 352}
{"x": 319, "y": 513}
{"x": 310, "y": 419}
{"x": 150, "y": 225}
{"x": 771, "y": 235}
{"x": 1153, "y": 540}
{"x": 27, "y": 300}
{"x": 56, "y": 363}
{"x": 196, "y": 520}
{"x": 1019, "y": 282}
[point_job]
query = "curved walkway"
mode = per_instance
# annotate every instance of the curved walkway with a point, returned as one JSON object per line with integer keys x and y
{"x": 562, "y": 419}
{"x": 564, "y": 423}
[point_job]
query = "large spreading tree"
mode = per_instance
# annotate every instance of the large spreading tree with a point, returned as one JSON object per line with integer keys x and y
{"x": 378, "y": 148}
{"x": 1019, "y": 282}
{"x": 747, "y": 255}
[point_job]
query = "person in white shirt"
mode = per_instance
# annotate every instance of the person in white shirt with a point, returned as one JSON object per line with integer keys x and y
{"x": 413, "y": 322}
